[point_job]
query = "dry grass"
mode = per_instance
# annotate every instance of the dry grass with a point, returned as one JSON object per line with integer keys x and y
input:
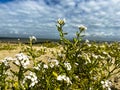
{"x": 8, "y": 49}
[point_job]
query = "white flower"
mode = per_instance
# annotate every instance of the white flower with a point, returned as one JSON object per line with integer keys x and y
{"x": 65, "y": 78}
{"x": 37, "y": 67}
{"x": 60, "y": 77}
{"x": 7, "y": 60}
{"x": 32, "y": 38}
{"x": 22, "y": 59}
{"x": 32, "y": 77}
{"x": 67, "y": 65}
{"x": 45, "y": 66}
{"x": 82, "y": 28}
{"x": 53, "y": 63}
{"x": 106, "y": 84}
{"x": 87, "y": 41}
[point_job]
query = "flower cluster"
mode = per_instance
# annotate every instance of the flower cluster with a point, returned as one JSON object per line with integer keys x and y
{"x": 65, "y": 78}
{"x": 53, "y": 63}
{"x": 7, "y": 60}
{"x": 32, "y": 77}
{"x": 106, "y": 84}
{"x": 22, "y": 59}
{"x": 67, "y": 65}
{"x": 45, "y": 66}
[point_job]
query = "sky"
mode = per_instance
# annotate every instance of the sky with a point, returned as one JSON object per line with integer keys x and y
{"x": 5, "y": 1}
{"x": 23, "y": 18}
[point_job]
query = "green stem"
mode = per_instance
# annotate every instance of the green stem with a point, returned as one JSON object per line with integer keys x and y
{"x": 20, "y": 74}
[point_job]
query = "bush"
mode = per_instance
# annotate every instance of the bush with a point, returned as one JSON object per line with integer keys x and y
{"x": 79, "y": 66}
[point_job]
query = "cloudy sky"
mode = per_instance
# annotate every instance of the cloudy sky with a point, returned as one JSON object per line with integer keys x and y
{"x": 23, "y": 18}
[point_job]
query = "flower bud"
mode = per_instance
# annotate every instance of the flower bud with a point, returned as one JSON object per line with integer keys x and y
{"x": 55, "y": 74}
{"x": 32, "y": 38}
{"x": 82, "y": 28}
{"x": 61, "y": 21}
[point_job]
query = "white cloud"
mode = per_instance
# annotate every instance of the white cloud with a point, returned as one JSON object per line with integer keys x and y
{"x": 29, "y": 15}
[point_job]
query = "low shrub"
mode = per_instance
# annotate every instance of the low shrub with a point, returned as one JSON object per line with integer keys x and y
{"x": 78, "y": 66}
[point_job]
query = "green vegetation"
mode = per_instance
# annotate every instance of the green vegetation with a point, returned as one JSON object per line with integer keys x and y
{"x": 76, "y": 66}
{"x": 7, "y": 46}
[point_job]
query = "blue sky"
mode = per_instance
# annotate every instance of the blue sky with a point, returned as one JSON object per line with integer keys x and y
{"x": 4, "y": 1}
{"x": 38, "y": 17}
